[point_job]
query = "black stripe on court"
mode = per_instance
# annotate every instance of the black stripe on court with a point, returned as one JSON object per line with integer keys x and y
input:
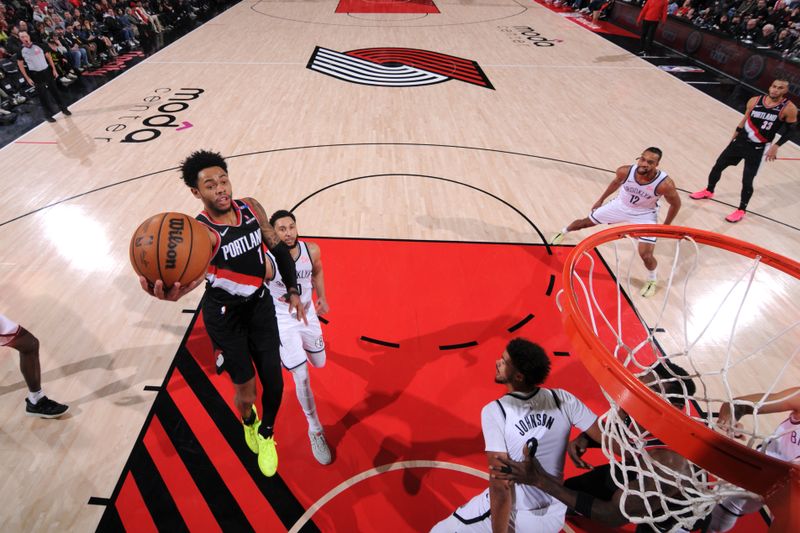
{"x": 275, "y": 491}
{"x": 521, "y": 323}
{"x": 561, "y": 354}
{"x": 380, "y": 342}
{"x": 152, "y": 388}
{"x": 156, "y": 496}
{"x": 221, "y": 502}
{"x": 188, "y": 311}
{"x": 550, "y": 285}
{"x": 94, "y": 500}
{"x": 110, "y": 520}
{"x": 458, "y": 346}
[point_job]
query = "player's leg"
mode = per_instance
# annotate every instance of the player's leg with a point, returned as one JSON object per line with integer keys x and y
{"x": 730, "y": 156}
{"x": 314, "y": 347}
{"x": 752, "y": 163}
{"x": 575, "y": 225}
{"x": 22, "y": 340}
{"x": 224, "y": 327}
{"x": 647, "y": 246}
{"x": 264, "y": 343}
{"x": 472, "y": 517}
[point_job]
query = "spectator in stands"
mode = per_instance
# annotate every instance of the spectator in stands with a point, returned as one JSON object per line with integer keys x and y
{"x": 746, "y": 7}
{"x": 685, "y": 11}
{"x": 64, "y": 72}
{"x": 653, "y": 12}
{"x": 78, "y": 54}
{"x": 785, "y": 41}
{"x": 13, "y": 44}
{"x": 766, "y": 38}
{"x": 672, "y": 7}
{"x": 751, "y": 31}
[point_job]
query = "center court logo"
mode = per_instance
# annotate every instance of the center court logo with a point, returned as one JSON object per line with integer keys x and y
{"x": 396, "y": 67}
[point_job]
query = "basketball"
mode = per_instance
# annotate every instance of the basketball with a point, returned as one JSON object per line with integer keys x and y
{"x": 170, "y": 247}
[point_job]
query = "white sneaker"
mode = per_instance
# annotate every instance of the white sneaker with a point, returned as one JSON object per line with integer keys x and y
{"x": 320, "y": 449}
{"x": 65, "y": 80}
{"x": 19, "y": 99}
{"x": 4, "y": 112}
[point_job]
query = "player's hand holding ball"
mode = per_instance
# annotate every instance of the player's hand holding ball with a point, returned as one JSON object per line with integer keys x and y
{"x": 170, "y": 252}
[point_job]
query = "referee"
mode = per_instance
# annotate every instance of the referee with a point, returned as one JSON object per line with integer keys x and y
{"x": 39, "y": 71}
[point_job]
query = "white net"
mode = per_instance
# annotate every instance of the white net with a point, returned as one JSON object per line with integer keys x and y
{"x": 720, "y": 326}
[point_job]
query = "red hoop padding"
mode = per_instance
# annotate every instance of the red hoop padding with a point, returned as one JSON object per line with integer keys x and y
{"x": 778, "y": 481}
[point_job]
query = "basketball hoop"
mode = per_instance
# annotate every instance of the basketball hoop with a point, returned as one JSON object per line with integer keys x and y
{"x": 594, "y": 322}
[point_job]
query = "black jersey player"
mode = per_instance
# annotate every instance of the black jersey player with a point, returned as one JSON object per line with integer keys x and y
{"x": 764, "y": 117}
{"x": 237, "y": 309}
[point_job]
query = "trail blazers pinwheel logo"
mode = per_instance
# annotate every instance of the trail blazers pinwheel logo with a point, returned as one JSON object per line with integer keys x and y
{"x": 396, "y": 67}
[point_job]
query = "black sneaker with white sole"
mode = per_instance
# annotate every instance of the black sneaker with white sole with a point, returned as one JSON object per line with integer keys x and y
{"x": 45, "y": 408}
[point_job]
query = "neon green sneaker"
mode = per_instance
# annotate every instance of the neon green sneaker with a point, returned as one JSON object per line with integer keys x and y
{"x": 649, "y": 288}
{"x": 251, "y": 431}
{"x": 267, "y": 455}
{"x": 557, "y": 238}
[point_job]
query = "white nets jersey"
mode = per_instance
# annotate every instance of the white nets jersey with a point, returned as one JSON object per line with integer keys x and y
{"x": 546, "y": 415}
{"x": 303, "y": 266}
{"x": 785, "y": 441}
{"x": 635, "y": 196}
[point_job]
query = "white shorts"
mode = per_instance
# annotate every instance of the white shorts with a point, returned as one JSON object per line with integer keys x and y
{"x": 614, "y": 213}
{"x": 297, "y": 339}
{"x": 8, "y": 330}
{"x": 474, "y": 517}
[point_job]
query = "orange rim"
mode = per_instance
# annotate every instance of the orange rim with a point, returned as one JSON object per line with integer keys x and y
{"x": 748, "y": 468}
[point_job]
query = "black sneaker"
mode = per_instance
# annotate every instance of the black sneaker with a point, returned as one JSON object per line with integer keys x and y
{"x": 66, "y": 111}
{"x": 45, "y": 408}
{"x": 49, "y": 119}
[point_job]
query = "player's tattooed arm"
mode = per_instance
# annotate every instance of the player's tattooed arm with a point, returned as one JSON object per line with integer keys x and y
{"x": 268, "y": 233}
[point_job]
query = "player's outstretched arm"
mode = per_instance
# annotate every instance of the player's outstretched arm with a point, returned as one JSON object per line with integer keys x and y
{"x": 590, "y": 438}
{"x": 778, "y": 402}
{"x": 670, "y": 192}
{"x": 619, "y": 179}
{"x": 282, "y": 257}
{"x": 174, "y": 293}
{"x": 318, "y": 278}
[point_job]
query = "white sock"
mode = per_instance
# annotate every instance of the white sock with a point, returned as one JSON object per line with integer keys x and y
{"x": 565, "y": 230}
{"x": 651, "y": 275}
{"x": 34, "y": 397}
{"x": 305, "y": 396}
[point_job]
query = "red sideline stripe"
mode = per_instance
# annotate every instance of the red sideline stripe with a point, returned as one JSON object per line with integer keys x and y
{"x": 247, "y": 494}
{"x": 179, "y": 482}
{"x": 241, "y": 279}
{"x": 131, "y": 508}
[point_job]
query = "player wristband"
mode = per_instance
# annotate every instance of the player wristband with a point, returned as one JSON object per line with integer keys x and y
{"x": 739, "y": 130}
{"x": 583, "y": 504}
{"x": 289, "y": 293}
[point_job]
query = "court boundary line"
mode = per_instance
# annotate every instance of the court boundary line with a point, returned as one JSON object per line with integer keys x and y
{"x": 363, "y": 144}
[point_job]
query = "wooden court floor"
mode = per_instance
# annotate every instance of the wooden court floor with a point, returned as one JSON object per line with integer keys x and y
{"x": 507, "y": 143}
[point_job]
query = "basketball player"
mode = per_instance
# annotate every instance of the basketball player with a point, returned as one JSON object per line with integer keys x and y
{"x": 643, "y": 185}
{"x": 301, "y": 343}
{"x": 238, "y": 313}
{"x": 764, "y": 117}
{"x": 595, "y": 495}
{"x": 527, "y": 413}
{"x": 783, "y": 444}
{"x": 36, "y": 404}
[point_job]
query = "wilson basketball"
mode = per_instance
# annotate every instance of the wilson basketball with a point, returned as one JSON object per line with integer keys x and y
{"x": 170, "y": 247}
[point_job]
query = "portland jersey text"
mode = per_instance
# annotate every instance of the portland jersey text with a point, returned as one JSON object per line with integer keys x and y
{"x": 759, "y": 126}
{"x": 238, "y": 265}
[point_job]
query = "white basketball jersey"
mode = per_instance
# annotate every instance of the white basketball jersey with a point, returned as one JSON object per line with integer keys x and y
{"x": 546, "y": 415}
{"x": 634, "y": 195}
{"x": 785, "y": 441}
{"x": 303, "y": 266}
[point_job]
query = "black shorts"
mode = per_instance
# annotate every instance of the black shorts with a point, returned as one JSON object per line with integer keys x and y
{"x": 240, "y": 329}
